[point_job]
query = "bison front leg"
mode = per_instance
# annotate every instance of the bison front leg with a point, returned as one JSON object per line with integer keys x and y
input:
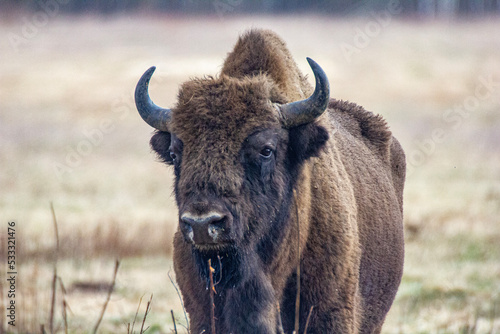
{"x": 251, "y": 307}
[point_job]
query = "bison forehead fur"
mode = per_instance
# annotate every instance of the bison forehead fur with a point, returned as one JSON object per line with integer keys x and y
{"x": 247, "y": 186}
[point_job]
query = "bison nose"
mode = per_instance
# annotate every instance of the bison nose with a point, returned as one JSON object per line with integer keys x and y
{"x": 204, "y": 229}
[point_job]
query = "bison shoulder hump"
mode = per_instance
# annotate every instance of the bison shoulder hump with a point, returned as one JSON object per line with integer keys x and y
{"x": 369, "y": 127}
{"x": 263, "y": 52}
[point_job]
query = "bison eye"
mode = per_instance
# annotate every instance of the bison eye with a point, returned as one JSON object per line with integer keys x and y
{"x": 266, "y": 152}
{"x": 173, "y": 156}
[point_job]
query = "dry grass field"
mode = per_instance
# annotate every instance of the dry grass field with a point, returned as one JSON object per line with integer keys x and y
{"x": 70, "y": 135}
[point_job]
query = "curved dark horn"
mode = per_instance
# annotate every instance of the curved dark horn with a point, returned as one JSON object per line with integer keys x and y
{"x": 305, "y": 111}
{"x": 157, "y": 117}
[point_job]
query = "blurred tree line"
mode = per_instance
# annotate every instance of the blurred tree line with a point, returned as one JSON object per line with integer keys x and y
{"x": 432, "y": 8}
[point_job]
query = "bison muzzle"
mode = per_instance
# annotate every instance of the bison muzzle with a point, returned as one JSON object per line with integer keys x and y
{"x": 271, "y": 174}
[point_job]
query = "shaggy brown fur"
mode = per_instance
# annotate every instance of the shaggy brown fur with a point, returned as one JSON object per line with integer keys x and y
{"x": 347, "y": 170}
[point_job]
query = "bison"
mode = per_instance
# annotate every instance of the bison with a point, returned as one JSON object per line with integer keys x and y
{"x": 270, "y": 174}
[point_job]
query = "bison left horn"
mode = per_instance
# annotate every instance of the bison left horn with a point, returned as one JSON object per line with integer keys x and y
{"x": 156, "y": 116}
{"x": 306, "y": 111}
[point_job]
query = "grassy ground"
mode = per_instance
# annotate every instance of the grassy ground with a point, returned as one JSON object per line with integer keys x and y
{"x": 70, "y": 134}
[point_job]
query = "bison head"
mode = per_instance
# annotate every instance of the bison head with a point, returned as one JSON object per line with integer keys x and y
{"x": 236, "y": 146}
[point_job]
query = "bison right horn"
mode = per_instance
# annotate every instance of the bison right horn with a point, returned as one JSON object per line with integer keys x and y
{"x": 306, "y": 111}
{"x": 156, "y": 116}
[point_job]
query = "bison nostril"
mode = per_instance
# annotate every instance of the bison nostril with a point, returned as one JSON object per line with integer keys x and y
{"x": 189, "y": 232}
{"x": 213, "y": 231}
{"x": 218, "y": 222}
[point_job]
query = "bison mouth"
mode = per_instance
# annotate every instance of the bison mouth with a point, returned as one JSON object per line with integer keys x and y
{"x": 212, "y": 247}
{"x": 226, "y": 262}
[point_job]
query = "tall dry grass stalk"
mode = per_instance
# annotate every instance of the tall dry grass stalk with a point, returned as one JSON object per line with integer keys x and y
{"x": 182, "y": 302}
{"x": 54, "y": 277}
{"x": 212, "y": 291}
{"x": 148, "y": 308}
{"x": 65, "y": 316}
{"x": 308, "y": 318}
{"x": 280, "y": 323}
{"x": 131, "y": 330}
{"x": 53, "y": 301}
{"x": 64, "y": 306}
{"x": 111, "y": 287}
{"x": 173, "y": 321}
{"x": 297, "y": 298}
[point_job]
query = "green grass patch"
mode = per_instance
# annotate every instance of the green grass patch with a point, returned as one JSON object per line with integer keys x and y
{"x": 466, "y": 248}
{"x": 418, "y": 296}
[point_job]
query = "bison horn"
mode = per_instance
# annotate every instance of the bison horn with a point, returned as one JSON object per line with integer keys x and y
{"x": 157, "y": 117}
{"x": 306, "y": 111}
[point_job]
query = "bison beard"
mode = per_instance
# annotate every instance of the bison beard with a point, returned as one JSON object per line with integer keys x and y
{"x": 241, "y": 144}
{"x": 241, "y": 290}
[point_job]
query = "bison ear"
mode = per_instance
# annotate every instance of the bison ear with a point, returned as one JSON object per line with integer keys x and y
{"x": 306, "y": 141}
{"x": 160, "y": 143}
